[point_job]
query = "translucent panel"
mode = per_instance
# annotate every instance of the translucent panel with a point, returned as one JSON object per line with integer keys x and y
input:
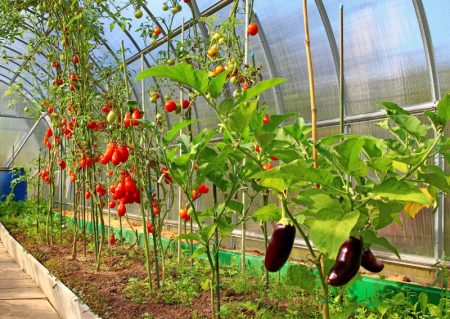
{"x": 416, "y": 236}
{"x": 30, "y": 150}
{"x": 205, "y": 4}
{"x": 437, "y": 12}
{"x": 384, "y": 54}
{"x": 286, "y": 44}
{"x": 13, "y": 131}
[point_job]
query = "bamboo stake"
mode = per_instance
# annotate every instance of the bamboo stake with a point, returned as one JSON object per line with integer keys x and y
{"x": 312, "y": 92}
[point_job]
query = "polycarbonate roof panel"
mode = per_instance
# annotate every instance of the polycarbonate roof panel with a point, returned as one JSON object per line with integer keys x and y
{"x": 384, "y": 53}
{"x": 286, "y": 42}
{"x": 438, "y": 20}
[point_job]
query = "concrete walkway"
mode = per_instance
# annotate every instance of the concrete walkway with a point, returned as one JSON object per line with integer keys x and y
{"x": 20, "y": 297}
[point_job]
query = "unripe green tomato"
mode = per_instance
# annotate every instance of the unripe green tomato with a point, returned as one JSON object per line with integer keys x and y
{"x": 165, "y": 7}
{"x": 167, "y": 96}
{"x": 153, "y": 99}
{"x": 236, "y": 93}
{"x": 26, "y": 109}
{"x": 174, "y": 10}
{"x": 179, "y": 8}
{"x": 138, "y": 14}
{"x": 178, "y": 109}
{"x": 216, "y": 36}
{"x": 222, "y": 41}
{"x": 112, "y": 116}
{"x": 159, "y": 116}
{"x": 171, "y": 61}
{"x": 62, "y": 57}
{"x": 233, "y": 79}
{"x": 153, "y": 42}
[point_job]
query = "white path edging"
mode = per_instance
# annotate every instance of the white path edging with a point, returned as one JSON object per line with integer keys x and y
{"x": 65, "y": 302}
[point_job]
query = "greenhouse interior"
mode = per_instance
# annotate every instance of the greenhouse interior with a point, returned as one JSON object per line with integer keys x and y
{"x": 224, "y": 159}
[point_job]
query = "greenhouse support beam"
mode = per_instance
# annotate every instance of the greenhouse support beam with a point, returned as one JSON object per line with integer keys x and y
{"x": 213, "y": 9}
{"x": 428, "y": 47}
{"x": 379, "y": 115}
{"x": 279, "y": 102}
{"x": 24, "y": 140}
{"x": 197, "y": 15}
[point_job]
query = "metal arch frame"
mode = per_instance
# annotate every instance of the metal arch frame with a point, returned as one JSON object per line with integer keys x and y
{"x": 24, "y": 79}
{"x": 15, "y": 51}
{"x": 334, "y": 50}
{"x": 31, "y": 96}
{"x": 439, "y": 216}
{"x": 39, "y": 89}
{"x": 279, "y": 102}
{"x": 197, "y": 15}
{"x": 213, "y": 9}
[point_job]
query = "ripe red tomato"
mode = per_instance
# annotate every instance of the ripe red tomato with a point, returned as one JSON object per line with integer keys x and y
{"x": 56, "y": 64}
{"x": 136, "y": 115}
{"x": 149, "y": 228}
{"x": 121, "y": 209}
{"x": 119, "y": 191}
{"x": 258, "y": 148}
{"x": 266, "y": 119}
{"x": 274, "y": 158}
{"x": 252, "y": 29}
{"x": 127, "y": 119}
{"x": 73, "y": 77}
{"x": 183, "y": 213}
{"x": 123, "y": 152}
{"x": 116, "y": 159}
{"x": 185, "y": 104}
{"x": 157, "y": 31}
{"x": 112, "y": 239}
{"x": 170, "y": 106}
{"x": 87, "y": 195}
{"x": 267, "y": 166}
{"x": 130, "y": 186}
{"x": 50, "y": 109}
{"x": 156, "y": 211}
{"x": 62, "y": 164}
{"x": 203, "y": 188}
{"x": 75, "y": 59}
{"x": 112, "y": 204}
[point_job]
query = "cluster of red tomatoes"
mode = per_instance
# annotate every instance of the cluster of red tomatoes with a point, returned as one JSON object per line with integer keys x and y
{"x": 124, "y": 192}
{"x": 45, "y": 175}
{"x": 115, "y": 154}
{"x": 202, "y": 189}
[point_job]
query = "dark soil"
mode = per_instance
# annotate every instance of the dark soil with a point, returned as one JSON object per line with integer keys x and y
{"x": 102, "y": 290}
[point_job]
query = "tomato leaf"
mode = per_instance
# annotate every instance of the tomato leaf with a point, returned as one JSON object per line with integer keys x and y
{"x": 393, "y": 189}
{"x": 331, "y": 228}
{"x": 259, "y": 88}
{"x": 182, "y": 73}
{"x": 239, "y": 118}
{"x": 216, "y": 85}
{"x": 277, "y": 184}
{"x": 301, "y": 276}
{"x": 177, "y": 127}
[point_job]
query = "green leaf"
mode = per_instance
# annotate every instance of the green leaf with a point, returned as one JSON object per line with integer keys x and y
{"x": 443, "y": 109}
{"x": 301, "y": 276}
{"x": 198, "y": 252}
{"x": 316, "y": 200}
{"x": 276, "y": 184}
{"x": 276, "y": 120}
{"x": 331, "y": 228}
{"x": 189, "y": 236}
{"x": 207, "y": 232}
{"x": 235, "y": 205}
{"x": 111, "y": 26}
{"x": 182, "y": 73}
{"x": 259, "y": 88}
{"x": 370, "y": 237}
{"x": 412, "y": 125}
{"x": 216, "y": 85}
{"x": 435, "y": 176}
{"x": 393, "y": 109}
{"x": 393, "y": 189}
{"x": 225, "y": 107}
{"x": 384, "y": 213}
{"x": 298, "y": 170}
{"x": 239, "y": 118}
{"x": 350, "y": 152}
{"x": 177, "y": 127}
{"x": 182, "y": 160}
{"x": 267, "y": 213}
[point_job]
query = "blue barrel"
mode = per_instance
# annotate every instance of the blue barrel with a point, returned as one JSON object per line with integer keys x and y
{"x": 7, "y": 175}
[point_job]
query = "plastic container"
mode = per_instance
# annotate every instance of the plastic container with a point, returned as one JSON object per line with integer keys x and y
{"x": 7, "y": 175}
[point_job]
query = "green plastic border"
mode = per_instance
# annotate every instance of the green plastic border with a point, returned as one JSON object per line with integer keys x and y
{"x": 367, "y": 290}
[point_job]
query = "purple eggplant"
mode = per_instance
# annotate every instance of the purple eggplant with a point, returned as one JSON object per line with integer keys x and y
{"x": 280, "y": 247}
{"x": 347, "y": 262}
{"x": 370, "y": 262}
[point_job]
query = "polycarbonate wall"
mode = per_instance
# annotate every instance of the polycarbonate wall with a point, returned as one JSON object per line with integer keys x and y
{"x": 394, "y": 50}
